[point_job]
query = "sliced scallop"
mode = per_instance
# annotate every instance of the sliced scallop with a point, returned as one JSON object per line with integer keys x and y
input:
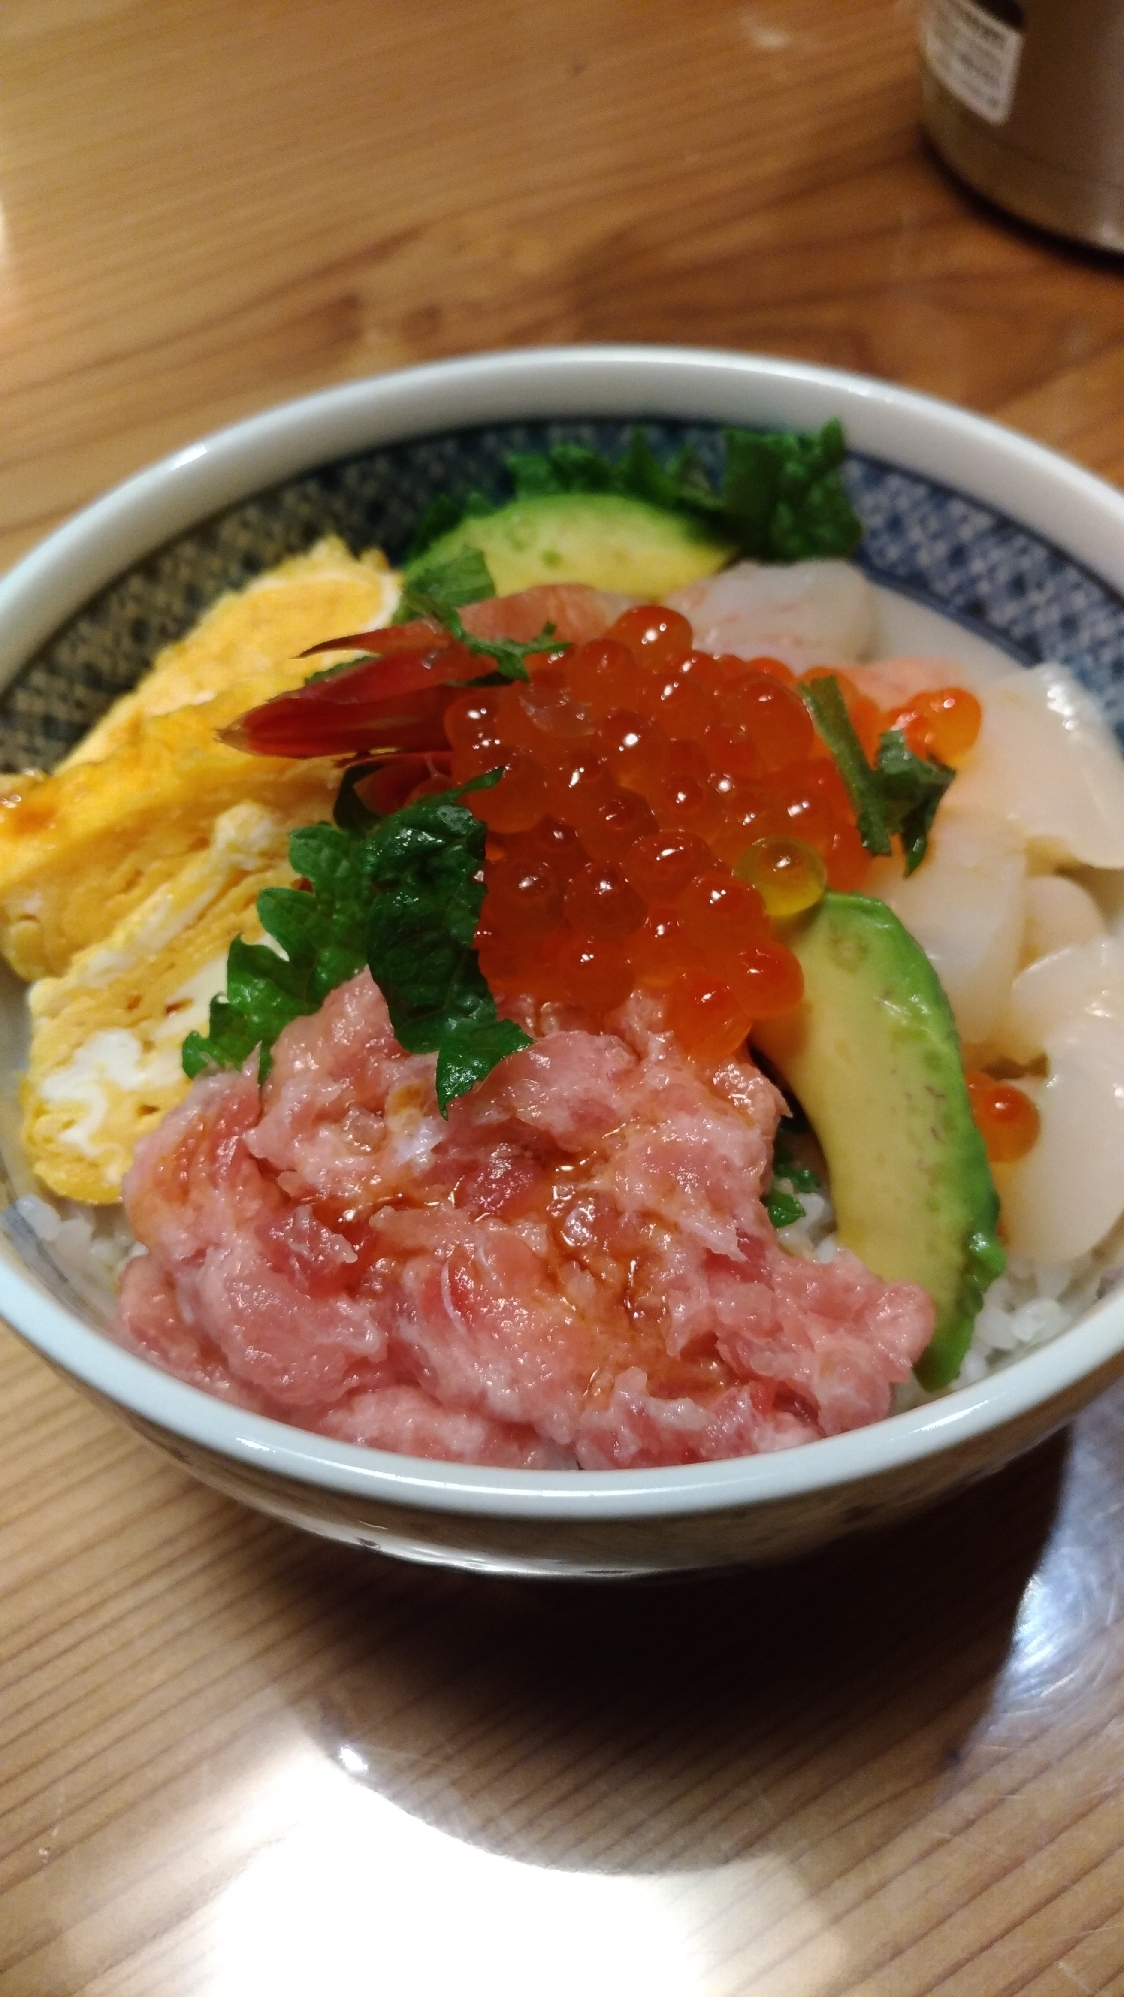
{"x": 965, "y": 906}
{"x": 1051, "y": 993}
{"x": 1068, "y": 1192}
{"x": 1047, "y": 762}
{"x": 1059, "y": 913}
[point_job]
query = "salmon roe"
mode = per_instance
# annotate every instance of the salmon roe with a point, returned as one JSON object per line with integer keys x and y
{"x": 788, "y": 875}
{"x": 663, "y": 813}
{"x": 1005, "y": 1117}
{"x": 944, "y": 723}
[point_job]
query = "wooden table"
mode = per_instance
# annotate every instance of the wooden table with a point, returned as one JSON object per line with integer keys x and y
{"x": 237, "y": 1761}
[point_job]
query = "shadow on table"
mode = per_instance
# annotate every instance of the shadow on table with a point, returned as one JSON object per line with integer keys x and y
{"x": 668, "y": 1725}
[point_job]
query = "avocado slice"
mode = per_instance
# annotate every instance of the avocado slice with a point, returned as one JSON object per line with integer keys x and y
{"x": 873, "y": 1056}
{"x": 601, "y": 538}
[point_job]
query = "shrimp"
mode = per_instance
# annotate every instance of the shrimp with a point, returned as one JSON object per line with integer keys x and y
{"x": 802, "y": 613}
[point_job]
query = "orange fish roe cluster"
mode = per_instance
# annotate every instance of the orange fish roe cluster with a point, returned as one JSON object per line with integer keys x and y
{"x": 660, "y": 809}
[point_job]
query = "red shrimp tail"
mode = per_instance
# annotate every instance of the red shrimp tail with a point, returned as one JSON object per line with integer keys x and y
{"x": 420, "y": 634}
{"x": 403, "y": 778}
{"x": 291, "y": 726}
{"x": 382, "y": 704}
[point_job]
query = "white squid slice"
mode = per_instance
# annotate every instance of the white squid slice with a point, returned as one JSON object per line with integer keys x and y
{"x": 1047, "y": 762}
{"x": 1058, "y": 913}
{"x": 805, "y": 613}
{"x": 1066, "y": 1194}
{"x": 965, "y": 906}
{"x": 1049, "y": 996}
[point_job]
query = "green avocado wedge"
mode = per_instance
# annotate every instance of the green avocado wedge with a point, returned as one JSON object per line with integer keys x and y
{"x": 873, "y": 1057}
{"x": 605, "y": 539}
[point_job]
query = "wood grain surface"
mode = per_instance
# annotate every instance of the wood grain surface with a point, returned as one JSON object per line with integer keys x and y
{"x": 234, "y": 1760}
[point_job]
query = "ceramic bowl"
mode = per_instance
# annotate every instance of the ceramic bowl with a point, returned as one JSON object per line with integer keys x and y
{"x": 964, "y": 521}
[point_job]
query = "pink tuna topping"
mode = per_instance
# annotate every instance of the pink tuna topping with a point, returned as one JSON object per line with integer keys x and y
{"x": 575, "y": 1270}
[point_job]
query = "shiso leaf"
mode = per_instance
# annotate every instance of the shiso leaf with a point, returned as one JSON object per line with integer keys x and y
{"x": 564, "y": 468}
{"x": 824, "y": 701}
{"x": 912, "y": 788}
{"x": 783, "y": 494}
{"x": 902, "y": 791}
{"x": 783, "y": 1207}
{"x": 438, "y": 589}
{"x": 322, "y": 933}
{"x": 401, "y": 894}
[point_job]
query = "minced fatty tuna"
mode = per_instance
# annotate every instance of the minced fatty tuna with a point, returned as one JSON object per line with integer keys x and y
{"x": 574, "y": 1270}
